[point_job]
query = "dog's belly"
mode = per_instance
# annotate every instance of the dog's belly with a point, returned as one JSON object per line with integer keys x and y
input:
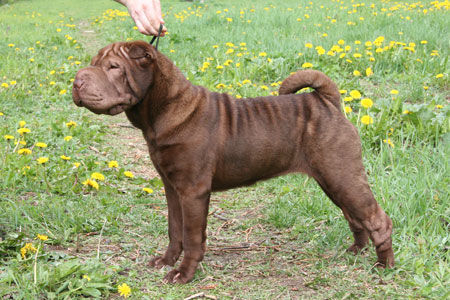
{"x": 247, "y": 159}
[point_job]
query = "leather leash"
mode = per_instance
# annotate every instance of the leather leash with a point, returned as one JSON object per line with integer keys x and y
{"x": 156, "y": 37}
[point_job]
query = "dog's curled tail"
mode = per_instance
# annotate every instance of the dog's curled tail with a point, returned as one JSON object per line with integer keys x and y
{"x": 314, "y": 79}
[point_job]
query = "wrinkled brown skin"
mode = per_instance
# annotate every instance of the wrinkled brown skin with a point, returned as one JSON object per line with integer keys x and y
{"x": 201, "y": 141}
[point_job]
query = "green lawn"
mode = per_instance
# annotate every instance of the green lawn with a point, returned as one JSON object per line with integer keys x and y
{"x": 279, "y": 239}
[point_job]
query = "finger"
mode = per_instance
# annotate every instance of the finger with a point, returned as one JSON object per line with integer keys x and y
{"x": 141, "y": 27}
{"x": 149, "y": 29}
{"x": 158, "y": 10}
{"x": 163, "y": 31}
{"x": 151, "y": 20}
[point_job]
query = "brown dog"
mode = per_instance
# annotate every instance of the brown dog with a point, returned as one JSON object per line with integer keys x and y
{"x": 200, "y": 142}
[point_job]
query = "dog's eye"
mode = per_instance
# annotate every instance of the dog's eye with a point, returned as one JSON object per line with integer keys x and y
{"x": 113, "y": 66}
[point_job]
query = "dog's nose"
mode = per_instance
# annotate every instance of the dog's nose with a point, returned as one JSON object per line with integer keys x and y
{"x": 78, "y": 83}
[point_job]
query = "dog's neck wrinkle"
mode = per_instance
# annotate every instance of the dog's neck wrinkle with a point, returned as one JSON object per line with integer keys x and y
{"x": 171, "y": 93}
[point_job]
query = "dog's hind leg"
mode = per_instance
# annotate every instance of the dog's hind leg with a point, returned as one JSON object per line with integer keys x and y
{"x": 343, "y": 179}
{"x": 360, "y": 235}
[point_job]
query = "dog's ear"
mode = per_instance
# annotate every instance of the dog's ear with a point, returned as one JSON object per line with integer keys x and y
{"x": 141, "y": 50}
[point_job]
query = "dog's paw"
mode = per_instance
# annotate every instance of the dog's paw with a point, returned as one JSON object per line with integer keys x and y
{"x": 385, "y": 259}
{"x": 178, "y": 276}
{"x": 160, "y": 261}
{"x": 355, "y": 248}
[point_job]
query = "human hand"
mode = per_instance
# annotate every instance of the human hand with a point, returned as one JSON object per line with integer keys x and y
{"x": 146, "y": 14}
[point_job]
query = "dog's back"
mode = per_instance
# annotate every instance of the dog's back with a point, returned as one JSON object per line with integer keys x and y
{"x": 275, "y": 125}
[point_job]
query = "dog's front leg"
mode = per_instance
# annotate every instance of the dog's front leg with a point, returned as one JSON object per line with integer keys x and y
{"x": 175, "y": 247}
{"x": 194, "y": 206}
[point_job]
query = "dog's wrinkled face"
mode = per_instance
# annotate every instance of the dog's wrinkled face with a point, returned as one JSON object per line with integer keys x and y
{"x": 118, "y": 78}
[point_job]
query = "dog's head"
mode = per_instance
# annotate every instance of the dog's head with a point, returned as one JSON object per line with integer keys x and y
{"x": 117, "y": 79}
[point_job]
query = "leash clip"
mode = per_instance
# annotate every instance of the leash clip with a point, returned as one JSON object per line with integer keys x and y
{"x": 156, "y": 37}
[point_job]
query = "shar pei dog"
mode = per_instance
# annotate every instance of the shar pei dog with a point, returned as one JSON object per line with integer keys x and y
{"x": 201, "y": 141}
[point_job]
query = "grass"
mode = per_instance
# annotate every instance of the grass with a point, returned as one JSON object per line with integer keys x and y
{"x": 278, "y": 239}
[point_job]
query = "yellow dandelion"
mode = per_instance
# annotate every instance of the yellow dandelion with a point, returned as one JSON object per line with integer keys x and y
{"x": 366, "y": 120}
{"x": 86, "y": 277}
{"x": 348, "y": 109}
{"x": 76, "y": 164}
{"x": 4, "y": 85}
{"x": 28, "y": 248}
{"x": 24, "y": 151}
{"x": 8, "y": 137}
{"x": 343, "y": 92}
{"x": 124, "y": 290}
{"x": 307, "y": 65}
{"x": 356, "y": 73}
{"x": 262, "y": 54}
{"x": 369, "y": 72}
{"x": 320, "y": 50}
{"x": 128, "y": 174}
{"x": 22, "y": 123}
{"x": 113, "y": 164}
{"x": 62, "y": 92}
{"x": 227, "y": 62}
{"x": 42, "y": 160}
{"x": 41, "y": 145}
{"x": 42, "y": 237}
{"x": 147, "y": 190}
{"x": 68, "y": 138}
{"x": 98, "y": 176}
{"x": 92, "y": 183}
{"x": 71, "y": 124}
{"x": 355, "y": 94}
{"x": 63, "y": 157}
{"x": 348, "y": 99}
{"x": 439, "y": 106}
{"x": 366, "y": 103}
{"x": 394, "y": 92}
{"x": 389, "y": 142}
{"x": 308, "y": 45}
{"x": 439, "y": 75}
